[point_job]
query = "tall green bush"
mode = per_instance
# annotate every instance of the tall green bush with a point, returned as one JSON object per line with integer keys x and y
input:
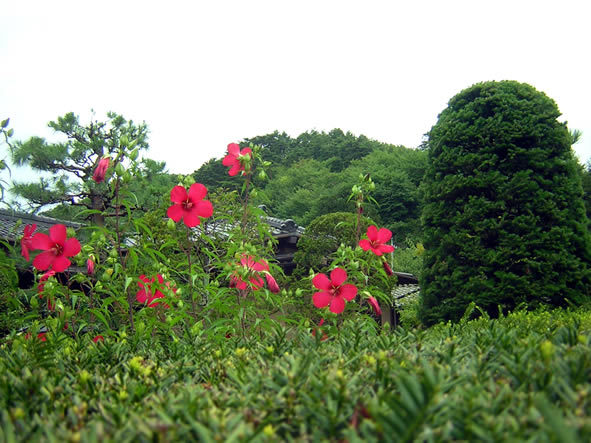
{"x": 504, "y": 220}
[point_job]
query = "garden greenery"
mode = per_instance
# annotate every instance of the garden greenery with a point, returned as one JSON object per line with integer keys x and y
{"x": 174, "y": 323}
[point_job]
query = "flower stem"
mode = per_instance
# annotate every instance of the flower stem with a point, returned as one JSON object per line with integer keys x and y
{"x": 191, "y": 288}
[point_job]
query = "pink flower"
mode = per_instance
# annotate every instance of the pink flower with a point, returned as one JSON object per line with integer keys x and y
{"x": 189, "y": 206}
{"x": 26, "y": 241}
{"x": 98, "y": 338}
{"x": 236, "y": 158}
{"x": 57, "y": 249}
{"x": 101, "y": 169}
{"x": 145, "y": 294}
{"x": 375, "y": 305}
{"x": 90, "y": 266}
{"x": 332, "y": 291}
{"x": 253, "y": 271}
{"x": 377, "y": 241}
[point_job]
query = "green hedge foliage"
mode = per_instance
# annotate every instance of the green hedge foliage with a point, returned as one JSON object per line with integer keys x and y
{"x": 522, "y": 377}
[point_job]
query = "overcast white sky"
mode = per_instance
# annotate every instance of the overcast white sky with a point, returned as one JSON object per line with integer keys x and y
{"x": 203, "y": 74}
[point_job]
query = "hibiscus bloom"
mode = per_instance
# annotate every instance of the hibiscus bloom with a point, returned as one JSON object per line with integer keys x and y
{"x": 57, "y": 249}
{"x": 27, "y": 240}
{"x": 332, "y": 291}
{"x": 253, "y": 271}
{"x": 376, "y": 241}
{"x": 189, "y": 205}
{"x": 235, "y": 158}
{"x": 146, "y": 296}
{"x": 375, "y": 305}
{"x": 101, "y": 169}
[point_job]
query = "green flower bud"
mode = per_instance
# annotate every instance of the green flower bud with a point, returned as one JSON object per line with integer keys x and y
{"x": 119, "y": 169}
{"x": 188, "y": 181}
{"x": 170, "y": 224}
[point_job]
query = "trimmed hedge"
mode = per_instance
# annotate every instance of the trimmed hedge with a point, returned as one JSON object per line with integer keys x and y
{"x": 526, "y": 376}
{"x": 504, "y": 219}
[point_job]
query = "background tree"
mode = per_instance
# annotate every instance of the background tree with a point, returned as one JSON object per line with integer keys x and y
{"x": 504, "y": 220}
{"x": 72, "y": 162}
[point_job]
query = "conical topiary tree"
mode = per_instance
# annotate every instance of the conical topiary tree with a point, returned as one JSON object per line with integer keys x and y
{"x": 504, "y": 219}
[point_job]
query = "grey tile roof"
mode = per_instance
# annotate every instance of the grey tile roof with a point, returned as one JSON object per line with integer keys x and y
{"x": 13, "y": 223}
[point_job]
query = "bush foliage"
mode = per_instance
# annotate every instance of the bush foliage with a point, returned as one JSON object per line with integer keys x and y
{"x": 504, "y": 221}
{"x": 521, "y": 377}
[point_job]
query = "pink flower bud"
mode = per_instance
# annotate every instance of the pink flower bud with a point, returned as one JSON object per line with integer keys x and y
{"x": 273, "y": 286}
{"x": 375, "y": 305}
{"x": 89, "y": 266}
{"x": 98, "y": 338}
{"x": 101, "y": 169}
{"x": 387, "y": 268}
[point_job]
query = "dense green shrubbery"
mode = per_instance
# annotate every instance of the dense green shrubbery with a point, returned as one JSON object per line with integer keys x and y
{"x": 504, "y": 221}
{"x": 323, "y": 237}
{"x": 521, "y": 377}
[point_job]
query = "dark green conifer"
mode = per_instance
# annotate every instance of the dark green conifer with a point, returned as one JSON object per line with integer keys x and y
{"x": 504, "y": 219}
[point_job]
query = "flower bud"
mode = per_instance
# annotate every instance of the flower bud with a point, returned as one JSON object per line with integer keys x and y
{"x": 119, "y": 169}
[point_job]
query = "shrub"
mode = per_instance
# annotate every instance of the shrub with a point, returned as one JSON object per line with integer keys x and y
{"x": 504, "y": 220}
{"x": 323, "y": 237}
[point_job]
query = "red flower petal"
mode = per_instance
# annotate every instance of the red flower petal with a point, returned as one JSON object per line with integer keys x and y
{"x": 321, "y": 281}
{"x": 364, "y": 244}
{"x": 246, "y": 151}
{"x": 384, "y": 235}
{"x": 234, "y": 149}
{"x": 175, "y": 212}
{"x": 376, "y": 250}
{"x": 57, "y": 234}
{"x": 321, "y": 299}
{"x": 197, "y": 192}
{"x": 236, "y": 168}
{"x": 60, "y": 263}
{"x": 372, "y": 233}
{"x": 44, "y": 260}
{"x": 25, "y": 250}
{"x": 337, "y": 305}
{"x": 387, "y": 248}
{"x": 204, "y": 209}
{"x": 141, "y": 296}
{"x": 98, "y": 338}
{"x": 178, "y": 194}
{"x": 348, "y": 292}
{"x": 41, "y": 241}
{"x": 190, "y": 219}
{"x": 71, "y": 247}
{"x": 338, "y": 276}
{"x": 229, "y": 160}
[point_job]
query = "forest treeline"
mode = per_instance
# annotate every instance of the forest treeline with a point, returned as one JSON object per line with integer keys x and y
{"x": 312, "y": 175}
{"x": 309, "y": 176}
